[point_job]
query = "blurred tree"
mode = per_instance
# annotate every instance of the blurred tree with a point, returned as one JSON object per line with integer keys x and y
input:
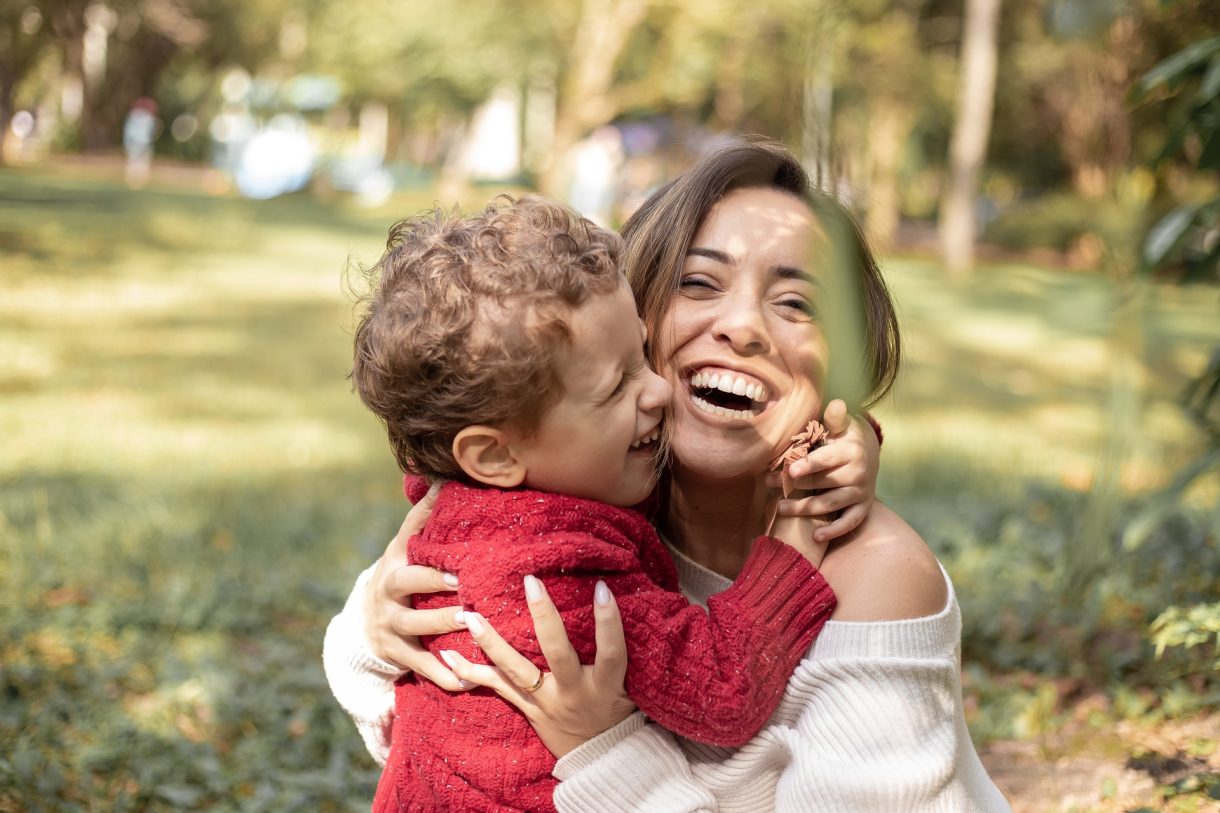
{"x": 968, "y": 149}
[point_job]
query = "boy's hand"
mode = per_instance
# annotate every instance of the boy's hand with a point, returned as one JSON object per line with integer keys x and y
{"x": 843, "y": 471}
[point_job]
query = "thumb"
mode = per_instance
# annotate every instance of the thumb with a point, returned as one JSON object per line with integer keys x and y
{"x": 416, "y": 519}
{"x": 835, "y": 418}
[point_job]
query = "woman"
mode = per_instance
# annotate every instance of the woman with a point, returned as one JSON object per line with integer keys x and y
{"x": 721, "y": 264}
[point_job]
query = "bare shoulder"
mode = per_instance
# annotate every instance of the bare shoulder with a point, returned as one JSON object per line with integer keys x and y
{"x": 884, "y": 572}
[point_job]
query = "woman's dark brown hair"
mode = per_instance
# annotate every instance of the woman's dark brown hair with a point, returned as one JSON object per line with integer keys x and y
{"x": 657, "y": 237}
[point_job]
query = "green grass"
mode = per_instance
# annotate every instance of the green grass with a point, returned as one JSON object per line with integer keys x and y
{"x": 188, "y": 487}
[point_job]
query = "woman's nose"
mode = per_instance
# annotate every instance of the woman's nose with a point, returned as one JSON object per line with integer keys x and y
{"x": 741, "y": 325}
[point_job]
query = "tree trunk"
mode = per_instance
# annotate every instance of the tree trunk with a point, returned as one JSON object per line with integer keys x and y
{"x": 968, "y": 148}
{"x": 583, "y": 103}
{"x": 889, "y": 129}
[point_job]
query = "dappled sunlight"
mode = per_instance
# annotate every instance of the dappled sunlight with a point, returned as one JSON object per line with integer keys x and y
{"x": 1001, "y": 372}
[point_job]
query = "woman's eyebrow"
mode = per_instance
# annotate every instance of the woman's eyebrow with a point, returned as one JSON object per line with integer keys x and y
{"x": 711, "y": 253}
{"x": 791, "y": 272}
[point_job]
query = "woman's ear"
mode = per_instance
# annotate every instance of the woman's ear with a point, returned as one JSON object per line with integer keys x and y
{"x": 486, "y": 455}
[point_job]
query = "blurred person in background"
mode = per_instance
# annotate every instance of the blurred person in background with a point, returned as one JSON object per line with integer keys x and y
{"x": 139, "y": 133}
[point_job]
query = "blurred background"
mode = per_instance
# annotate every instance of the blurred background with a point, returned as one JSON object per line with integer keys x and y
{"x": 188, "y": 487}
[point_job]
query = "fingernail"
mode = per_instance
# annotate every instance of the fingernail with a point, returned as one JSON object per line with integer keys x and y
{"x": 432, "y": 490}
{"x": 465, "y": 684}
{"x": 474, "y": 623}
{"x": 447, "y": 657}
{"x": 459, "y": 618}
{"x": 601, "y": 594}
{"x": 450, "y": 580}
{"x": 533, "y": 590}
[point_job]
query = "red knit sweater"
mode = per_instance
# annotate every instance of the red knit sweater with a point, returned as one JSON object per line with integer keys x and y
{"x": 714, "y": 676}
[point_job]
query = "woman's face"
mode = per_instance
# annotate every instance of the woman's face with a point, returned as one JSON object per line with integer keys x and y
{"x": 740, "y": 342}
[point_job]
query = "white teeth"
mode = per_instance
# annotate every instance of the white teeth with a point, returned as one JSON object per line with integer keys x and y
{"x": 727, "y": 382}
{"x": 741, "y": 414}
{"x": 653, "y": 435}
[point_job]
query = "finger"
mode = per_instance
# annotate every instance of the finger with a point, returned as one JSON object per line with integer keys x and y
{"x": 407, "y": 580}
{"x": 479, "y": 674}
{"x": 835, "y": 417}
{"x": 822, "y": 458}
{"x": 415, "y": 521}
{"x": 429, "y": 667}
{"x": 850, "y": 521}
{"x": 610, "y": 664}
{"x": 519, "y": 670}
{"x": 427, "y": 622}
{"x": 819, "y": 505}
{"x": 561, "y": 658}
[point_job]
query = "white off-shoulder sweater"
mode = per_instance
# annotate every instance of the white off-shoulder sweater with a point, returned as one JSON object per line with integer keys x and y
{"x": 871, "y": 721}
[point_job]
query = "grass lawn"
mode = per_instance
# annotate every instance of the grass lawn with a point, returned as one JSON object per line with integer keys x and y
{"x": 188, "y": 488}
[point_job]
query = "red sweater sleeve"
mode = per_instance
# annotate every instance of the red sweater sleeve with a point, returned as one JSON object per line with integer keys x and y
{"x": 716, "y": 676}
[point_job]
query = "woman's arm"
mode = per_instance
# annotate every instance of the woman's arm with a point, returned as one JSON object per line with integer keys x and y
{"x": 371, "y": 642}
{"x": 871, "y": 720}
{"x": 361, "y": 682}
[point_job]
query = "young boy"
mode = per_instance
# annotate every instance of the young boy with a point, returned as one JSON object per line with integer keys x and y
{"x": 504, "y": 353}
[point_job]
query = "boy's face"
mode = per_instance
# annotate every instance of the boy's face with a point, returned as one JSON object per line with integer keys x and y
{"x": 599, "y": 440}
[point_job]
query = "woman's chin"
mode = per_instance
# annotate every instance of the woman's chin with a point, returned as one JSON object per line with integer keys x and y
{"x": 719, "y": 460}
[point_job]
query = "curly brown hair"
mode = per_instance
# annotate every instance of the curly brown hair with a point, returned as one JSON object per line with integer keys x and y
{"x": 465, "y": 318}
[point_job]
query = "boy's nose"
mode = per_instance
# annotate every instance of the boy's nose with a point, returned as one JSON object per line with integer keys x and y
{"x": 657, "y": 392}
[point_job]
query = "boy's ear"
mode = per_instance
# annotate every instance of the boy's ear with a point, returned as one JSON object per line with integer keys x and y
{"x": 486, "y": 455}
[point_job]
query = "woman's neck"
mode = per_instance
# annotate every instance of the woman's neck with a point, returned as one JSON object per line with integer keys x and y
{"x": 715, "y": 522}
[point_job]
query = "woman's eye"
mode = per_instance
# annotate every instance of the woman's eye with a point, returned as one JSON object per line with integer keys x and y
{"x": 800, "y": 305}
{"x": 695, "y": 282}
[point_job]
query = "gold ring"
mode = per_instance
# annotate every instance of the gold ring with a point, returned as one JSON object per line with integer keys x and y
{"x": 537, "y": 683}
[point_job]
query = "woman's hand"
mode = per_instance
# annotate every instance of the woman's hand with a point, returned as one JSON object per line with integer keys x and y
{"x": 390, "y": 624}
{"x": 843, "y": 471}
{"x": 572, "y": 703}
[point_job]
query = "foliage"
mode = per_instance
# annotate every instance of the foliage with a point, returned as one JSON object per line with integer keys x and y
{"x": 1188, "y": 627}
{"x": 1188, "y": 234}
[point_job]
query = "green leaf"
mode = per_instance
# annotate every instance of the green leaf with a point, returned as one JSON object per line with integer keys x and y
{"x": 1210, "y": 88}
{"x": 1168, "y": 232}
{"x": 1180, "y": 63}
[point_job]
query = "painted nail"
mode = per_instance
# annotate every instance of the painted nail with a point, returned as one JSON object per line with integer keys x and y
{"x": 459, "y": 618}
{"x": 465, "y": 684}
{"x": 474, "y": 623}
{"x": 448, "y": 658}
{"x": 433, "y": 490}
{"x": 533, "y": 590}
{"x": 601, "y": 594}
{"x": 450, "y": 580}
